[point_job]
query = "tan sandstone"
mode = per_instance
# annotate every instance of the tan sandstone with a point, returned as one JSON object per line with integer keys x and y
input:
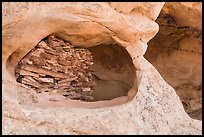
{"x": 151, "y": 107}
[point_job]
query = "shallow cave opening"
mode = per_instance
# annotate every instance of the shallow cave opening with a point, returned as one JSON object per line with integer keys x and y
{"x": 113, "y": 70}
{"x": 176, "y": 52}
{"x": 97, "y": 73}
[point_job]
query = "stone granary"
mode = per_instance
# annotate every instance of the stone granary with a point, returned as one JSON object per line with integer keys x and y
{"x": 145, "y": 61}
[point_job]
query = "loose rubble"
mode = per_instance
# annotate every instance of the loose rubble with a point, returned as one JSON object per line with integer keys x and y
{"x": 55, "y": 66}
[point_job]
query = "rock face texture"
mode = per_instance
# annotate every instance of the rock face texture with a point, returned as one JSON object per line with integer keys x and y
{"x": 190, "y": 16}
{"x": 151, "y": 105}
{"x": 176, "y": 52}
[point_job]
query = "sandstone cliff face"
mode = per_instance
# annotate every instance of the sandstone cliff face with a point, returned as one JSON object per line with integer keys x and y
{"x": 176, "y": 52}
{"x": 190, "y": 15}
{"x": 151, "y": 106}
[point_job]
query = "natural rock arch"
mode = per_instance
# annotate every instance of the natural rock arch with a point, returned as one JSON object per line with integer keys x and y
{"x": 155, "y": 109}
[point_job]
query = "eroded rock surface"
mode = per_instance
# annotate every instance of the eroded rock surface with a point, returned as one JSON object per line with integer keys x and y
{"x": 190, "y": 16}
{"x": 151, "y": 106}
{"x": 176, "y": 52}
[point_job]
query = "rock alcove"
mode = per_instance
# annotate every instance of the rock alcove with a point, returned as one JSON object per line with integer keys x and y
{"x": 97, "y": 73}
{"x": 176, "y": 52}
{"x": 151, "y": 106}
